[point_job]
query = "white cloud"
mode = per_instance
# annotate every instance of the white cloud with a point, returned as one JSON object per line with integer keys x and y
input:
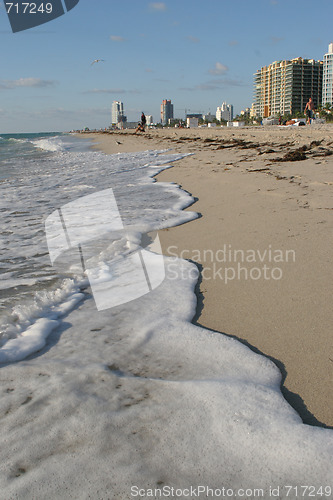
{"x": 116, "y": 38}
{"x": 26, "y": 82}
{"x": 157, "y": 6}
{"x": 219, "y": 69}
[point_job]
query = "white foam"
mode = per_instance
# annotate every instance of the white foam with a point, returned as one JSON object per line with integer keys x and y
{"x": 137, "y": 395}
{"x": 49, "y": 144}
{"x": 26, "y": 329}
{"x": 31, "y": 340}
{"x": 14, "y": 139}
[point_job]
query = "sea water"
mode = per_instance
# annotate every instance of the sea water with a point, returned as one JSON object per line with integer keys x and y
{"x": 131, "y": 400}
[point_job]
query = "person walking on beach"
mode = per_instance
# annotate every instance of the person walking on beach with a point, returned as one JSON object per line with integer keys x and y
{"x": 142, "y": 125}
{"x": 309, "y": 109}
{"x": 143, "y": 120}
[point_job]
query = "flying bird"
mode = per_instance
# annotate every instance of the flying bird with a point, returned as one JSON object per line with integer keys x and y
{"x": 96, "y": 61}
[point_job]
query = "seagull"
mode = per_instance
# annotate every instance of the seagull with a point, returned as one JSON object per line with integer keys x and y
{"x": 117, "y": 142}
{"x": 96, "y": 61}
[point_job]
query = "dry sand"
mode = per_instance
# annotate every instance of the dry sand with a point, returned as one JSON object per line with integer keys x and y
{"x": 249, "y": 202}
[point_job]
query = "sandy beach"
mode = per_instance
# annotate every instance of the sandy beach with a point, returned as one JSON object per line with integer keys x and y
{"x": 263, "y": 243}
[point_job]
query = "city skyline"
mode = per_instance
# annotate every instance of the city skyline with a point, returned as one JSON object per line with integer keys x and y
{"x": 198, "y": 55}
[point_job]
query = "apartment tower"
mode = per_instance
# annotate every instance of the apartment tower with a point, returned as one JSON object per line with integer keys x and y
{"x": 166, "y": 111}
{"x": 328, "y": 77}
{"x": 284, "y": 87}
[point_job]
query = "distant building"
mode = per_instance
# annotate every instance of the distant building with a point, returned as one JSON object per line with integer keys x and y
{"x": 192, "y": 122}
{"x": 166, "y": 111}
{"x": 117, "y": 113}
{"x": 225, "y": 112}
{"x": 253, "y": 111}
{"x": 209, "y": 118}
{"x": 235, "y": 124}
{"x": 127, "y": 125}
{"x": 328, "y": 77}
{"x": 286, "y": 86}
{"x": 149, "y": 120}
{"x": 194, "y": 115}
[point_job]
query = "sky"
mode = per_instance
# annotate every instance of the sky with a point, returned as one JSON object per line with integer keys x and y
{"x": 198, "y": 53}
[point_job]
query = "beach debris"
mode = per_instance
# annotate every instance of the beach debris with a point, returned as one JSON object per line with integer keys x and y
{"x": 315, "y": 143}
{"x": 299, "y": 153}
{"x": 264, "y": 169}
{"x": 296, "y": 155}
{"x": 323, "y": 152}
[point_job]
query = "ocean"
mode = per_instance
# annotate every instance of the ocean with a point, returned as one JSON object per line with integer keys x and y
{"x": 107, "y": 388}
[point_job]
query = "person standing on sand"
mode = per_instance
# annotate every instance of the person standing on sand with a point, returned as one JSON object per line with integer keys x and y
{"x": 309, "y": 109}
{"x": 143, "y": 121}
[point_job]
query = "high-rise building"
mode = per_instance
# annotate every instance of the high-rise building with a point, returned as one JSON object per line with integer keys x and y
{"x": 166, "y": 111}
{"x": 286, "y": 86}
{"x": 117, "y": 112}
{"x": 328, "y": 77}
{"x": 225, "y": 112}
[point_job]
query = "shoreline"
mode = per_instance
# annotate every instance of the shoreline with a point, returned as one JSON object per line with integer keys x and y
{"x": 247, "y": 201}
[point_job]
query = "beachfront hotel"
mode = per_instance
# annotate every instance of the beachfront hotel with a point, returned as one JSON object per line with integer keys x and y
{"x": 166, "y": 111}
{"x": 328, "y": 77}
{"x": 285, "y": 87}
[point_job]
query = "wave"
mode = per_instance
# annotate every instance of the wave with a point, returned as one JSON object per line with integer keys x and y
{"x": 32, "y": 324}
{"x": 14, "y": 139}
{"x": 53, "y": 144}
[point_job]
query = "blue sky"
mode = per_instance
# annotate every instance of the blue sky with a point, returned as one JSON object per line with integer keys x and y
{"x": 198, "y": 53}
